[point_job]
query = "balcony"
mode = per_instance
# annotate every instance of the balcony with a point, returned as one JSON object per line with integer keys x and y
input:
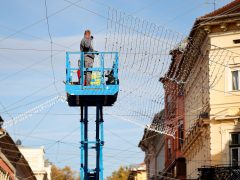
{"x": 219, "y": 172}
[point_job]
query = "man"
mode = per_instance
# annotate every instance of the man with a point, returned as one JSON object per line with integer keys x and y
{"x": 86, "y": 46}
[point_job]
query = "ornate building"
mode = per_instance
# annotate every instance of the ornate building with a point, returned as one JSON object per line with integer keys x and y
{"x": 175, "y": 166}
{"x": 152, "y": 144}
{"x": 36, "y": 159}
{"x": 13, "y": 165}
{"x": 210, "y": 70}
{"x": 137, "y": 172}
{"x": 202, "y": 101}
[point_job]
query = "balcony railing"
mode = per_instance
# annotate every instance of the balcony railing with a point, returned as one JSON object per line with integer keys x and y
{"x": 104, "y": 62}
{"x": 219, "y": 172}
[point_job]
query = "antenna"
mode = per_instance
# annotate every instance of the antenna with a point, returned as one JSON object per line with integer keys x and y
{"x": 213, "y": 3}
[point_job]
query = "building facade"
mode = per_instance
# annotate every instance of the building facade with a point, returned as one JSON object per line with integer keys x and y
{"x": 13, "y": 165}
{"x": 152, "y": 144}
{"x": 138, "y": 172}
{"x": 36, "y": 159}
{"x": 202, "y": 101}
{"x": 174, "y": 165}
{"x": 210, "y": 68}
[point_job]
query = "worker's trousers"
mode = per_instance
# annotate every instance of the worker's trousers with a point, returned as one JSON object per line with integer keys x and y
{"x": 88, "y": 63}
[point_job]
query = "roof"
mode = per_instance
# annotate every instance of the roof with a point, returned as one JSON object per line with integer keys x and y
{"x": 138, "y": 167}
{"x": 176, "y": 54}
{"x": 12, "y": 153}
{"x": 229, "y": 11}
{"x": 158, "y": 119}
{"x": 232, "y": 7}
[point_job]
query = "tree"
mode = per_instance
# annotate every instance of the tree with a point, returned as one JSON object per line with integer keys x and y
{"x": 65, "y": 173}
{"x": 121, "y": 174}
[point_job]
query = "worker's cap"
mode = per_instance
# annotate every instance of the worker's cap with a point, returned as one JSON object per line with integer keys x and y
{"x": 87, "y": 31}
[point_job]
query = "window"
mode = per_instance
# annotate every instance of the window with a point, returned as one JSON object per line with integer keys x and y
{"x": 180, "y": 91}
{"x": 169, "y": 102}
{"x": 180, "y": 133}
{"x": 235, "y": 139}
{"x": 169, "y": 149}
{"x": 236, "y": 41}
{"x": 235, "y": 80}
{"x": 235, "y": 155}
{"x": 171, "y": 106}
{"x": 235, "y": 149}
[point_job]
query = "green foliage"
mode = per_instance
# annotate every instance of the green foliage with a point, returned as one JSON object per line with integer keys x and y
{"x": 65, "y": 173}
{"x": 121, "y": 174}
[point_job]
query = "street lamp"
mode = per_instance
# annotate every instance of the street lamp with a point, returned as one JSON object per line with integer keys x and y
{"x": 1, "y": 121}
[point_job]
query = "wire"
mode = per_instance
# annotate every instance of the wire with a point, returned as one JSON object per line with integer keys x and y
{"x": 184, "y": 13}
{"x": 38, "y": 21}
{"x": 61, "y": 139}
{"x": 51, "y": 47}
{"x": 38, "y": 123}
{"x": 47, "y": 104}
{"x": 31, "y": 49}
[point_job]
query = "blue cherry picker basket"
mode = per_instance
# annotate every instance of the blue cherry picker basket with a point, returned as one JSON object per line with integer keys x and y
{"x": 104, "y": 85}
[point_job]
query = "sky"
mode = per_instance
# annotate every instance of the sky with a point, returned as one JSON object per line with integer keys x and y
{"x": 26, "y": 76}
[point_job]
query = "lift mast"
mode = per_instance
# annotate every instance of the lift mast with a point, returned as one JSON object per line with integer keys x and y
{"x": 101, "y": 92}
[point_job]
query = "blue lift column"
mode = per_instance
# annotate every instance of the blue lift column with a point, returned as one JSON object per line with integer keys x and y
{"x": 85, "y": 172}
{"x": 86, "y": 141}
{"x": 99, "y": 142}
{"x": 82, "y": 144}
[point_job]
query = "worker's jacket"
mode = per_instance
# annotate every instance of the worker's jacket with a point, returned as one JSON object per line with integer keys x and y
{"x": 86, "y": 46}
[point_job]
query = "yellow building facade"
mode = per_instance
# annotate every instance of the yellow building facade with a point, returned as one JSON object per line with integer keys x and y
{"x": 138, "y": 172}
{"x": 211, "y": 73}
